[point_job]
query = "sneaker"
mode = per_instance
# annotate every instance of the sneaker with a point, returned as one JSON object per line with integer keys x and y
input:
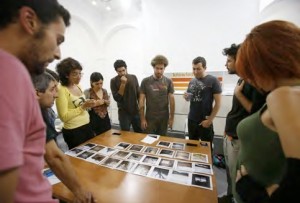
{"x": 226, "y": 199}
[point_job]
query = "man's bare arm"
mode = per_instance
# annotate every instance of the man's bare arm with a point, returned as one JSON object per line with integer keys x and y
{"x": 8, "y": 184}
{"x": 62, "y": 168}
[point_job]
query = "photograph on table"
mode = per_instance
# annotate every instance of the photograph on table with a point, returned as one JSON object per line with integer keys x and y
{"x": 123, "y": 145}
{"x": 141, "y": 169}
{"x": 168, "y": 163}
{"x": 182, "y": 155}
{"x": 202, "y": 181}
{"x": 110, "y": 162}
{"x": 180, "y": 177}
{"x": 163, "y": 144}
{"x": 97, "y": 158}
{"x": 121, "y": 154}
{"x": 203, "y": 168}
{"x": 88, "y": 146}
{"x": 159, "y": 173}
{"x": 152, "y": 160}
{"x": 126, "y": 165}
{"x": 135, "y": 157}
{"x": 151, "y": 150}
{"x": 107, "y": 151}
{"x": 85, "y": 154}
{"x": 75, "y": 151}
{"x": 167, "y": 153}
{"x": 97, "y": 148}
{"x": 178, "y": 146}
{"x": 136, "y": 148}
{"x": 199, "y": 157}
{"x": 184, "y": 166}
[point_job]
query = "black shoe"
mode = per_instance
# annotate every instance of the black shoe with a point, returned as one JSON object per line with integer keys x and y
{"x": 226, "y": 199}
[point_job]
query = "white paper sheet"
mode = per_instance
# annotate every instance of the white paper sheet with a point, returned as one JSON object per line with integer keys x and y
{"x": 150, "y": 138}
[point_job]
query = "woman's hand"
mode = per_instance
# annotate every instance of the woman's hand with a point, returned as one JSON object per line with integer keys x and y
{"x": 89, "y": 103}
{"x": 251, "y": 191}
{"x": 107, "y": 102}
{"x": 100, "y": 102}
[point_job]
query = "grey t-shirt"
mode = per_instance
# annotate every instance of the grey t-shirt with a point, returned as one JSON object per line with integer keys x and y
{"x": 202, "y": 98}
{"x": 157, "y": 96}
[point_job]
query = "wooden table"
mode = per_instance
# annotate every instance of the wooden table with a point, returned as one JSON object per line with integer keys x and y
{"x": 114, "y": 186}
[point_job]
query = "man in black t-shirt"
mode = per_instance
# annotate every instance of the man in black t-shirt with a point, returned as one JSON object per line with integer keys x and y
{"x": 204, "y": 94}
{"x": 246, "y": 100}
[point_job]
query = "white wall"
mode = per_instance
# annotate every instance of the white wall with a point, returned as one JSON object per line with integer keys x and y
{"x": 181, "y": 30}
{"x": 282, "y": 10}
{"x": 137, "y": 30}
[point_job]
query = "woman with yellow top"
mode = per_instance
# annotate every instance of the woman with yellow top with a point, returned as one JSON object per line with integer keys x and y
{"x": 72, "y": 105}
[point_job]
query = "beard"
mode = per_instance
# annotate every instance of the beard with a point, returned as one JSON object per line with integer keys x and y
{"x": 158, "y": 75}
{"x": 34, "y": 67}
{"x": 32, "y": 57}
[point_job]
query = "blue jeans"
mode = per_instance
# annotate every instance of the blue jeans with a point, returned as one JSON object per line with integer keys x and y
{"x": 126, "y": 120}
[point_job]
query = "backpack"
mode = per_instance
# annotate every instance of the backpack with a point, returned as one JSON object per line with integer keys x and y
{"x": 219, "y": 160}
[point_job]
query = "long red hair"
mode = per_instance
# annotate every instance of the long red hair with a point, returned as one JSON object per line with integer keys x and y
{"x": 271, "y": 51}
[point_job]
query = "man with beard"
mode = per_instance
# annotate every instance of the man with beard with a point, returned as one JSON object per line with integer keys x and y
{"x": 30, "y": 34}
{"x": 205, "y": 102}
{"x": 46, "y": 93}
{"x": 125, "y": 90}
{"x": 246, "y": 100}
{"x": 158, "y": 91}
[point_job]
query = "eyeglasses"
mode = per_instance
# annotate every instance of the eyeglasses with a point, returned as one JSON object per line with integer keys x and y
{"x": 76, "y": 74}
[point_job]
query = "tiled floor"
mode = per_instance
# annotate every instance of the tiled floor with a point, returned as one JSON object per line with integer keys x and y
{"x": 220, "y": 175}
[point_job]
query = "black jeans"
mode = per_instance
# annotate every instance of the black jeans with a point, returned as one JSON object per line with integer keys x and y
{"x": 197, "y": 132}
{"x": 77, "y": 136}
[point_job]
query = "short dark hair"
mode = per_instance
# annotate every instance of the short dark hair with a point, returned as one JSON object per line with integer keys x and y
{"x": 41, "y": 82}
{"x": 95, "y": 77}
{"x": 53, "y": 74}
{"x": 119, "y": 63}
{"x": 201, "y": 60}
{"x": 159, "y": 59}
{"x": 47, "y": 11}
{"x": 231, "y": 51}
{"x": 65, "y": 67}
